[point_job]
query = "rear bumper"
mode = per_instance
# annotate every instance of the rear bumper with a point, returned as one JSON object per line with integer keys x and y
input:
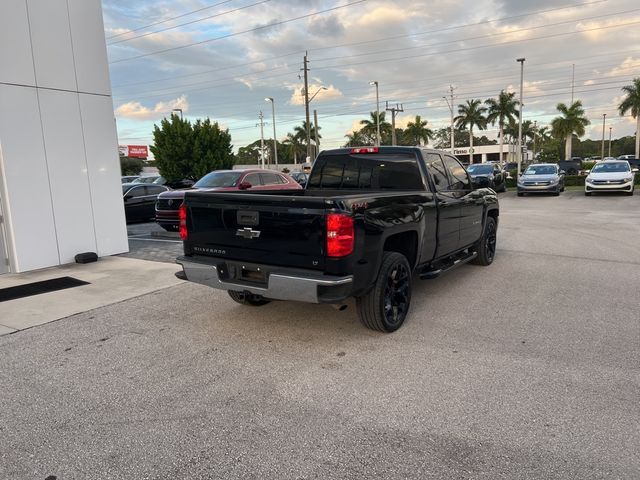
{"x": 281, "y": 283}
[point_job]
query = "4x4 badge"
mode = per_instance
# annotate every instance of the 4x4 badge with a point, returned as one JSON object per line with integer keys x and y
{"x": 247, "y": 233}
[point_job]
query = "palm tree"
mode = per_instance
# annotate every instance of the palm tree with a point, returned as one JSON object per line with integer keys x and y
{"x": 503, "y": 109}
{"x": 369, "y": 127}
{"x": 355, "y": 139}
{"x": 571, "y": 121}
{"x": 632, "y": 103}
{"x": 471, "y": 114}
{"x": 543, "y": 134}
{"x": 294, "y": 146}
{"x": 301, "y": 131}
{"x": 417, "y": 131}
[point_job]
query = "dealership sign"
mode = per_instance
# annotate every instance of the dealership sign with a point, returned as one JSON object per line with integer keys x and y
{"x": 137, "y": 151}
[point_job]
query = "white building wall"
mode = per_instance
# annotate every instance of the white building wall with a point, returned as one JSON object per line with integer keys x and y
{"x": 59, "y": 166}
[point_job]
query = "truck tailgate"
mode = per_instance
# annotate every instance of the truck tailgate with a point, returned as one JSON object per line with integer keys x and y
{"x": 269, "y": 229}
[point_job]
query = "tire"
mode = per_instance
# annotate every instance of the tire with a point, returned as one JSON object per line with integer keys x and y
{"x": 629, "y": 194}
{"x": 587, "y": 194}
{"x": 252, "y": 300}
{"x": 556, "y": 193}
{"x": 520, "y": 194}
{"x": 486, "y": 246}
{"x": 386, "y": 306}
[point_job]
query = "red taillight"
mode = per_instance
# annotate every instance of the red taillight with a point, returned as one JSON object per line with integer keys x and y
{"x": 340, "y": 235}
{"x": 182, "y": 215}
{"x": 365, "y": 150}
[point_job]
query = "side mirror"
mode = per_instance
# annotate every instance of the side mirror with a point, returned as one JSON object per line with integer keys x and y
{"x": 562, "y": 172}
{"x": 481, "y": 182}
{"x": 587, "y": 171}
{"x": 244, "y": 186}
{"x": 635, "y": 170}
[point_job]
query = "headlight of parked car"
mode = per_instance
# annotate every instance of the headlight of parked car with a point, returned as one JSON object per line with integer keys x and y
{"x": 627, "y": 179}
{"x": 589, "y": 180}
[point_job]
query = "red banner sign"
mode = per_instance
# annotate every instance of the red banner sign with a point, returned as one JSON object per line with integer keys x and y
{"x": 137, "y": 151}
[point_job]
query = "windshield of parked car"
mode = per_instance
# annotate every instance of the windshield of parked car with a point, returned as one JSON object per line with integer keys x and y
{"x": 541, "y": 170}
{"x": 480, "y": 169}
{"x": 610, "y": 167}
{"x": 218, "y": 180}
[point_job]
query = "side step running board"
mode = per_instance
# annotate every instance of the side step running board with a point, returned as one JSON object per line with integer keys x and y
{"x": 460, "y": 260}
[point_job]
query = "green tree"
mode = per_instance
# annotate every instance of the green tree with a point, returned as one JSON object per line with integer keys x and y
{"x": 370, "y": 129}
{"x": 631, "y": 103}
{"x": 356, "y": 139}
{"x": 131, "y": 166}
{"x": 186, "y": 150}
{"x": 417, "y": 131}
{"x": 295, "y": 147}
{"x": 503, "y": 109}
{"x": 571, "y": 120}
{"x": 471, "y": 114}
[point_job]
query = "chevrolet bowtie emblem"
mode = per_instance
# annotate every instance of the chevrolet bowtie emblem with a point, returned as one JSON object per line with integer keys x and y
{"x": 247, "y": 233}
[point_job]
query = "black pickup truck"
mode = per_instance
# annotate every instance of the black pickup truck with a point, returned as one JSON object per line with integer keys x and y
{"x": 368, "y": 220}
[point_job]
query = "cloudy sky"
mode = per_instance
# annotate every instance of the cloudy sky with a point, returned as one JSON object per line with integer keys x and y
{"x": 220, "y": 59}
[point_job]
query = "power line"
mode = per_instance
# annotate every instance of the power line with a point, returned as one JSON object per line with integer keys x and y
{"x": 189, "y": 23}
{"x": 371, "y": 41}
{"x": 169, "y": 19}
{"x": 229, "y": 35}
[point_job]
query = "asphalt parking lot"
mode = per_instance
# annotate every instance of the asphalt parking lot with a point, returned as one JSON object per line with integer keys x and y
{"x": 527, "y": 369}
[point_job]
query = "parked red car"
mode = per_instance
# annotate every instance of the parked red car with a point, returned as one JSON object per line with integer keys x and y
{"x": 169, "y": 202}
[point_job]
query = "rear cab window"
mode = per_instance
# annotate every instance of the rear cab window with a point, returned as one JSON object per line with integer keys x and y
{"x": 366, "y": 171}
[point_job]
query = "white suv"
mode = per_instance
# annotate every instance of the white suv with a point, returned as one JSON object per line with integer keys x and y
{"x": 610, "y": 176}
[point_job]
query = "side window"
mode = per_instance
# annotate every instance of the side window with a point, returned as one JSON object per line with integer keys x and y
{"x": 437, "y": 172}
{"x": 270, "y": 179}
{"x": 459, "y": 177}
{"x": 253, "y": 179}
{"x": 155, "y": 190}
{"x": 138, "y": 192}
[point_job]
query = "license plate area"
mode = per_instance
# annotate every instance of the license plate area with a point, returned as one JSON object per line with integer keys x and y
{"x": 242, "y": 273}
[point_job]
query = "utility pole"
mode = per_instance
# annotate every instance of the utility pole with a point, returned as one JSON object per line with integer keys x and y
{"x": 377, "y": 112}
{"x": 393, "y": 110}
{"x": 275, "y": 142}
{"x": 535, "y": 134}
{"x": 604, "y": 120}
{"x": 453, "y": 143}
{"x": 450, "y": 105}
{"x": 306, "y": 105}
{"x": 610, "y": 128}
{"x": 261, "y": 124}
{"x": 521, "y": 61}
{"x": 315, "y": 130}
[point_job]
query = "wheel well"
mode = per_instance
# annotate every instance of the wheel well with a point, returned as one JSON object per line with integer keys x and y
{"x": 493, "y": 213}
{"x": 405, "y": 243}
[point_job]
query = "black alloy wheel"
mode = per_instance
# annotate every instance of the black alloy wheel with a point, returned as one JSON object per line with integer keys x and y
{"x": 486, "y": 246}
{"x": 386, "y": 306}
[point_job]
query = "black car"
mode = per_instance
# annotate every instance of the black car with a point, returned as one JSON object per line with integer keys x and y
{"x": 492, "y": 172}
{"x": 178, "y": 184}
{"x": 140, "y": 200}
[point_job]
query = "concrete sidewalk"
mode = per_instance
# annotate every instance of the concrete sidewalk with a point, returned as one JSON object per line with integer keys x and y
{"x": 112, "y": 280}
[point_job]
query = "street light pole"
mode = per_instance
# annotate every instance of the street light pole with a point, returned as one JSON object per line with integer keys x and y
{"x": 610, "y": 128}
{"x": 521, "y": 61}
{"x": 306, "y": 106}
{"x": 275, "y": 142}
{"x": 604, "y": 120}
{"x": 261, "y": 117}
{"x": 377, "y": 112}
